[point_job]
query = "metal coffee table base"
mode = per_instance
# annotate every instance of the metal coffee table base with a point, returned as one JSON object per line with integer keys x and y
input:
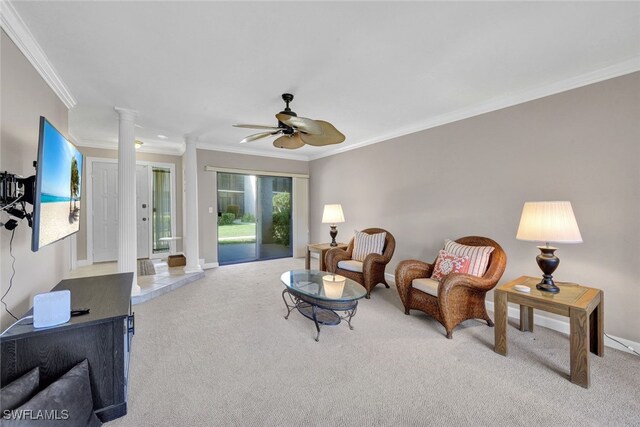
{"x": 322, "y": 312}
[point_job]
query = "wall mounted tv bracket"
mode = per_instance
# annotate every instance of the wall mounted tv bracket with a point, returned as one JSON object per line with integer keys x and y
{"x": 15, "y": 193}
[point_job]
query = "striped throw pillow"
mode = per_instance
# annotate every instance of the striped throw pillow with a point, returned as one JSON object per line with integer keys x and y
{"x": 478, "y": 256}
{"x": 365, "y": 244}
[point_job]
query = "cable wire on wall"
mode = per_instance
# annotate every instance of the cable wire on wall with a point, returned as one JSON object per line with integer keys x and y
{"x": 13, "y": 268}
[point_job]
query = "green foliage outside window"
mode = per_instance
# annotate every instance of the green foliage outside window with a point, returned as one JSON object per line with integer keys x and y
{"x": 281, "y": 227}
{"x": 247, "y": 217}
{"x": 234, "y": 209}
{"x": 226, "y": 219}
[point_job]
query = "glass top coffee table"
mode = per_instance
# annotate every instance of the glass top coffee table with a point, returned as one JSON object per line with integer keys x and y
{"x": 319, "y": 296}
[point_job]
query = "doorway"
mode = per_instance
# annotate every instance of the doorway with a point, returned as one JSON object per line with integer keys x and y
{"x": 155, "y": 210}
{"x": 254, "y": 217}
{"x": 104, "y": 190}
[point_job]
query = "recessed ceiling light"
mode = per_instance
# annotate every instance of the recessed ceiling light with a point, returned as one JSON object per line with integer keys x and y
{"x": 162, "y": 137}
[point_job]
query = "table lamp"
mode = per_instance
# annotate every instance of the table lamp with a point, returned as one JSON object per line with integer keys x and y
{"x": 548, "y": 222}
{"x": 332, "y": 215}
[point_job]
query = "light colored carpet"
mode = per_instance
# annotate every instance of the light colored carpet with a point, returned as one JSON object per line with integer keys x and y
{"x": 218, "y": 352}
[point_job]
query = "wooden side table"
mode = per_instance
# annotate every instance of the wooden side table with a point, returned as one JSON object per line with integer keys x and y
{"x": 584, "y": 307}
{"x": 322, "y": 249}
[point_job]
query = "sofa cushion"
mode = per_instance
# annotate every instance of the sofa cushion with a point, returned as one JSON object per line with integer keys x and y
{"x": 19, "y": 391}
{"x": 429, "y": 286}
{"x": 447, "y": 263}
{"x": 365, "y": 244}
{"x": 351, "y": 265}
{"x": 478, "y": 256}
{"x": 68, "y": 399}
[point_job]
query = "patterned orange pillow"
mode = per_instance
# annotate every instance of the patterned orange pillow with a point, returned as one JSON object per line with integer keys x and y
{"x": 447, "y": 263}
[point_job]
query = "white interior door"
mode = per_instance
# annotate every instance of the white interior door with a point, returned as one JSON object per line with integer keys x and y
{"x": 142, "y": 210}
{"x": 105, "y": 211}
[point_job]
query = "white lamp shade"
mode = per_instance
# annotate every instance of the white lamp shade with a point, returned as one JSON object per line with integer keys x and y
{"x": 333, "y": 285}
{"x": 332, "y": 214}
{"x": 548, "y": 222}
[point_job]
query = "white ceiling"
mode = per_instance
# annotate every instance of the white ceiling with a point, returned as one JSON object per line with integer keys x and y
{"x": 374, "y": 69}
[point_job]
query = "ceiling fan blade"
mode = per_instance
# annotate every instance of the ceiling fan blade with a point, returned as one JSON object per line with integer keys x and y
{"x": 255, "y": 126}
{"x": 330, "y": 135}
{"x": 300, "y": 123}
{"x": 289, "y": 141}
{"x": 259, "y": 135}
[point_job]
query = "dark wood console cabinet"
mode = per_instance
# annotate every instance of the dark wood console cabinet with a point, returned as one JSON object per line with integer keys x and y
{"x": 103, "y": 337}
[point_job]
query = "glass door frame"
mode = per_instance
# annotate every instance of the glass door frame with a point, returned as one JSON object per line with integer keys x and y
{"x": 255, "y": 206}
{"x": 299, "y": 213}
{"x": 152, "y": 213}
{"x": 234, "y": 215}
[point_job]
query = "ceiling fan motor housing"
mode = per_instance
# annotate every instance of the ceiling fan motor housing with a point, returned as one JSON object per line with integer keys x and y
{"x": 287, "y": 97}
{"x": 287, "y": 130}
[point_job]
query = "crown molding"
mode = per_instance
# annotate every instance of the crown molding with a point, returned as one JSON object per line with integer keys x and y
{"x": 629, "y": 66}
{"x": 177, "y": 151}
{"x": 252, "y": 152}
{"x": 18, "y": 31}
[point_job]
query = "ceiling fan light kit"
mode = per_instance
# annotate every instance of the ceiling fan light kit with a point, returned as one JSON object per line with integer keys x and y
{"x": 296, "y": 131}
{"x": 290, "y": 142}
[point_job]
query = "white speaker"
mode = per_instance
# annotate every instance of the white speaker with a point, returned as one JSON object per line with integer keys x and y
{"x": 52, "y": 308}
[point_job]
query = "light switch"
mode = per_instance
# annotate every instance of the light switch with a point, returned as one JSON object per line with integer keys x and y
{"x": 210, "y": 209}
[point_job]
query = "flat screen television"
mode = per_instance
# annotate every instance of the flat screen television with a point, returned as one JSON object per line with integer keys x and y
{"x": 56, "y": 199}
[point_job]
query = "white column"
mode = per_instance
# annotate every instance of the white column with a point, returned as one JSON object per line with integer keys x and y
{"x": 190, "y": 242}
{"x": 127, "y": 232}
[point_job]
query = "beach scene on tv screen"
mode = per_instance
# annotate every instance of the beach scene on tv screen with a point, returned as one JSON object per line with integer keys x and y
{"x": 61, "y": 184}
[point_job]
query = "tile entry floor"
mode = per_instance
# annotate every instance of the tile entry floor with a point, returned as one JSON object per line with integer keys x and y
{"x": 165, "y": 280}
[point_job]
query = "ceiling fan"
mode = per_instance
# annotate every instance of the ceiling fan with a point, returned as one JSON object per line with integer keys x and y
{"x": 296, "y": 131}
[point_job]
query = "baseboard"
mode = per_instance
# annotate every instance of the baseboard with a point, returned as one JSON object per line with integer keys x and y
{"x": 83, "y": 263}
{"x": 551, "y": 323}
{"x": 210, "y": 265}
{"x": 391, "y": 279}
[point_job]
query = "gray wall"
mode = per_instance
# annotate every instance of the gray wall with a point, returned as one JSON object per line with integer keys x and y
{"x": 472, "y": 177}
{"x": 145, "y": 157}
{"x": 25, "y": 97}
{"x": 208, "y": 222}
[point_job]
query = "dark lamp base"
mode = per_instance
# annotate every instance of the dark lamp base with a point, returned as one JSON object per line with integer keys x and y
{"x": 333, "y": 233}
{"x": 548, "y": 262}
{"x": 548, "y": 287}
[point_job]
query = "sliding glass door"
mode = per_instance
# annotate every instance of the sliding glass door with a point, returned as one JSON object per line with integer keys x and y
{"x": 237, "y": 223}
{"x": 254, "y": 217}
{"x": 274, "y": 236}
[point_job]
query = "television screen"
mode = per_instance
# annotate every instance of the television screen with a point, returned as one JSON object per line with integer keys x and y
{"x": 56, "y": 206}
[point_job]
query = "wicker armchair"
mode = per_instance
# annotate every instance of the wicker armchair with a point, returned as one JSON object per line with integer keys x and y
{"x": 460, "y": 296}
{"x": 372, "y": 267}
